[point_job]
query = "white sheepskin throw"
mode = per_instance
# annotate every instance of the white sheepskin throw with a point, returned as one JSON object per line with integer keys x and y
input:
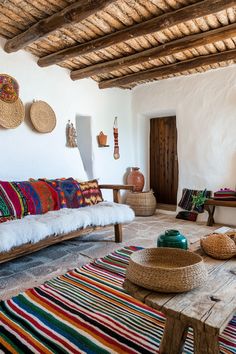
{"x": 34, "y": 228}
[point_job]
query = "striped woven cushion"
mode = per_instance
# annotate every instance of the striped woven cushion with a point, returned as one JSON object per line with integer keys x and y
{"x": 87, "y": 311}
{"x": 18, "y": 199}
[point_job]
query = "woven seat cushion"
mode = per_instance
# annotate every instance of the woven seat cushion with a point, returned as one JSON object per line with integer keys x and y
{"x": 91, "y": 192}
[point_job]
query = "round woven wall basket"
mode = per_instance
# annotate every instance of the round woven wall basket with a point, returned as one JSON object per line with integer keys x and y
{"x": 219, "y": 246}
{"x": 11, "y": 114}
{"x": 42, "y": 117}
{"x": 143, "y": 203}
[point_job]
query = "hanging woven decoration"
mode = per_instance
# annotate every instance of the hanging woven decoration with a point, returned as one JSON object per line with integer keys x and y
{"x": 116, "y": 154}
{"x": 9, "y": 89}
{"x": 42, "y": 117}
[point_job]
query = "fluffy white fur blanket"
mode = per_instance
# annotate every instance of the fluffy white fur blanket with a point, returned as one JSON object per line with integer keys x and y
{"x": 33, "y": 228}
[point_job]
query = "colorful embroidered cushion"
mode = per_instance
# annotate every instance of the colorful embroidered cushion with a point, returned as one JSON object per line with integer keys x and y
{"x": 69, "y": 192}
{"x": 91, "y": 192}
{"x": 18, "y": 199}
{"x": 41, "y": 197}
{"x": 12, "y": 201}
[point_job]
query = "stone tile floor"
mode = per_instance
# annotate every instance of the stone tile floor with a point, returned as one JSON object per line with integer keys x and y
{"x": 34, "y": 269}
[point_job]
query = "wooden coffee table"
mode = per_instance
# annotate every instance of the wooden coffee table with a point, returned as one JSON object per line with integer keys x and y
{"x": 207, "y": 309}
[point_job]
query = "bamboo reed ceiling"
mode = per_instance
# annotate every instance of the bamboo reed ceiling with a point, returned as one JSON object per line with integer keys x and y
{"x": 125, "y": 42}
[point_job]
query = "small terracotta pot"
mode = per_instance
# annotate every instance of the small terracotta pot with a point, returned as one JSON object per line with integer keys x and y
{"x": 102, "y": 139}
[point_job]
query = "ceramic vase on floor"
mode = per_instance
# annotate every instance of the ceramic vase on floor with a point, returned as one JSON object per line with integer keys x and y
{"x": 136, "y": 178}
{"x": 172, "y": 238}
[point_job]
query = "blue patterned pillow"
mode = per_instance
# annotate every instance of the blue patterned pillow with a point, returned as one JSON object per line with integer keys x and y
{"x": 69, "y": 192}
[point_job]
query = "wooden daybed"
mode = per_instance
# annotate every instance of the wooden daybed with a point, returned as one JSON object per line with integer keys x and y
{"x": 32, "y": 247}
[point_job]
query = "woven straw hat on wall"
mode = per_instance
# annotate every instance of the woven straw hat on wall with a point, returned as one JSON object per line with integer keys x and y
{"x": 11, "y": 114}
{"x": 42, "y": 117}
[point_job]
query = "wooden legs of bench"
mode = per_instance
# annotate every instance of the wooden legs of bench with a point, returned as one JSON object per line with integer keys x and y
{"x": 118, "y": 233}
{"x": 117, "y": 227}
{"x": 210, "y": 209}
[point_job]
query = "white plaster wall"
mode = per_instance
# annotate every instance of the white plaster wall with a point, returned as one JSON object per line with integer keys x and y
{"x": 205, "y": 107}
{"x": 26, "y": 153}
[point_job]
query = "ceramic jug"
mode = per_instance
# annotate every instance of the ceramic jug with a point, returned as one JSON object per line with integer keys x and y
{"x": 136, "y": 178}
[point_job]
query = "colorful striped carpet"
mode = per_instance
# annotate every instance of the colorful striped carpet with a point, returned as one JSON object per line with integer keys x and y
{"x": 87, "y": 311}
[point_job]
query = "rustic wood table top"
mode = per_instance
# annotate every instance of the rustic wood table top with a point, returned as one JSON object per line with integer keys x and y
{"x": 207, "y": 309}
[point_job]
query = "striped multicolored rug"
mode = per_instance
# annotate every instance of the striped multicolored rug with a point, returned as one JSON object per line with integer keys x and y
{"x": 87, "y": 311}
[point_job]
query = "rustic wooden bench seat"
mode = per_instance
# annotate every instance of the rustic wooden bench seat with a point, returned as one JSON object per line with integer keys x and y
{"x": 28, "y": 248}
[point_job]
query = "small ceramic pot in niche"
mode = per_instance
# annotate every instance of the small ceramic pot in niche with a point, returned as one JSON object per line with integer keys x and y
{"x": 173, "y": 239}
{"x": 102, "y": 139}
{"x": 136, "y": 178}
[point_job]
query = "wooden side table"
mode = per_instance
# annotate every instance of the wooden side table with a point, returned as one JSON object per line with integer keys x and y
{"x": 211, "y": 204}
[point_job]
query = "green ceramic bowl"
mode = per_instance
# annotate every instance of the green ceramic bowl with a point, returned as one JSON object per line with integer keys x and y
{"x": 172, "y": 238}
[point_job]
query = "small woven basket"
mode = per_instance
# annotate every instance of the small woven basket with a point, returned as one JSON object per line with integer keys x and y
{"x": 166, "y": 269}
{"x": 142, "y": 203}
{"x": 219, "y": 246}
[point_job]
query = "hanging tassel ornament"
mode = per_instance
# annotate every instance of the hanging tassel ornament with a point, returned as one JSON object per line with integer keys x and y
{"x": 116, "y": 154}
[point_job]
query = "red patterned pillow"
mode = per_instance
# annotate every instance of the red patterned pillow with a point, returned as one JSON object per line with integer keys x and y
{"x": 13, "y": 203}
{"x": 47, "y": 197}
{"x": 91, "y": 192}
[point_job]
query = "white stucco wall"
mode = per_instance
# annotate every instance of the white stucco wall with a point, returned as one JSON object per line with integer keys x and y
{"x": 205, "y": 107}
{"x": 26, "y": 153}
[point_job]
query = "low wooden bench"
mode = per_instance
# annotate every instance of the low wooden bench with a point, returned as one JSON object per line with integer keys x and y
{"x": 210, "y": 205}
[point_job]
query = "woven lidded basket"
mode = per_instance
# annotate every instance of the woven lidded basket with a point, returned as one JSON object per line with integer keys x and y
{"x": 219, "y": 246}
{"x": 166, "y": 269}
{"x": 142, "y": 203}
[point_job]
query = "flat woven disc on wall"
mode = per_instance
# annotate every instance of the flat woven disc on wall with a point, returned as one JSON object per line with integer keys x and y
{"x": 11, "y": 114}
{"x": 42, "y": 117}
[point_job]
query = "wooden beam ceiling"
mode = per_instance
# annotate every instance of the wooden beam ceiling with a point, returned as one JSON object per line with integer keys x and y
{"x": 165, "y": 70}
{"x": 166, "y": 49}
{"x": 71, "y": 14}
{"x": 159, "y": 23}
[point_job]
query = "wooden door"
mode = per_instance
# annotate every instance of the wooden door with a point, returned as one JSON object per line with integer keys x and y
{"x": 163, "y": 159}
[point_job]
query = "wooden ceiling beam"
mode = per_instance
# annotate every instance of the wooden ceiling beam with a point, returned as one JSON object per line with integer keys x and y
{"x": 169, "y": 48}
{"x": 76, "y": 12}
{"x": 165, "y": 70}
{"x": 156, "y": 24}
